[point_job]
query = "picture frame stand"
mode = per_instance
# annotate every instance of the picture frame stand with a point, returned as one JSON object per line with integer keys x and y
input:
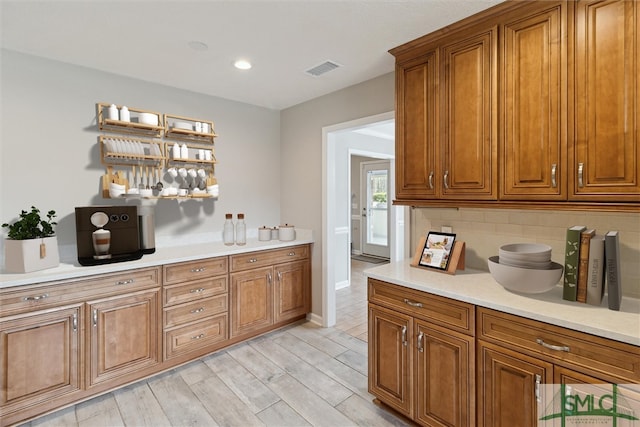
{"x": 456, "y": 261}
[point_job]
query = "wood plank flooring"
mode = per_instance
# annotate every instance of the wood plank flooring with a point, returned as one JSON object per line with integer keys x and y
{"x": 302, "y": 375}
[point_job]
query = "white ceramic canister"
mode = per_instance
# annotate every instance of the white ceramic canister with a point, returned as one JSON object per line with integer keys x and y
{"x": 274, "y": 233}
{"x": 264, "y": 234}
{"x": 124, "y": 114}
{"x": 113, "y": 112}
{"x": 287, "y": 233}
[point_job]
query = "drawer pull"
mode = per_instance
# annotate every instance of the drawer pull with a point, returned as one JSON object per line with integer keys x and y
{"x": 580, "y": 175}
{"x": 125, "y": 282}
{"x": 431, "y": 180}
{"x": 197, "y": 337}
{"x": 198, "y": 270}
{"x": 36, "y": 298}
{"x": 404, "y": 335}
{"x": 195, "y": 291}
{"x": 199, "y": 310}
{"x": 292, "y": 253}
{"x": 420, "y": 341}
{"x": 446, "y": 180}
{"x": 412, "y": 303}
{"x": 553, "y": 347}
{"x": 554, "y": 181}
{"x": 252, "y": 260}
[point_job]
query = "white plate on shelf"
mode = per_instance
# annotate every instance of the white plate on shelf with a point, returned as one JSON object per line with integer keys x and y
{"x": 182, "y": 125}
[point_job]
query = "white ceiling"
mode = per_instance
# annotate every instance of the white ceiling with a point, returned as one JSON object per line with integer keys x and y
{"x": 148, "y": 40}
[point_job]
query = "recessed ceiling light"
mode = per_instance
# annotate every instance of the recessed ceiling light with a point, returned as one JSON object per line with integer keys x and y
{"x": 199, "y": 46}
{"x": 242, "y": 64}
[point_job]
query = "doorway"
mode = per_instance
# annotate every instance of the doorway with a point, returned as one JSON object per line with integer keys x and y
{"x": 339, "y": 143}
{"x": 374, "y": 179}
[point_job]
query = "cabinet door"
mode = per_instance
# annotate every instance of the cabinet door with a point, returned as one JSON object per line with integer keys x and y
{"x": 291, "y": 292}
{"x": 445, "y": 375}
{"x": 606, "y": 165}
{"x": 469, "y": 126}
{"x": 123, "y": 336}
{"x": 534, "y": 136}
{"x": 39, "y": 360}
{"x": 251, "y": 301}
{"x": 390, "y": 373}
{"x": 509, "y": 386}
{"x": 416, "y": 127}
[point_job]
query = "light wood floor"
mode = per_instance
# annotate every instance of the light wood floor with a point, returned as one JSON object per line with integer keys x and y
{"x": 298, "y": 376}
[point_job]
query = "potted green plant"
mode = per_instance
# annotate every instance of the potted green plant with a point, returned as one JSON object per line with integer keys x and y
{"x": 31, "y": 243}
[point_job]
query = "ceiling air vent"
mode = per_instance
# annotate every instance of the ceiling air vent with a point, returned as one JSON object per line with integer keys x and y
{"x": 323, "y": 68}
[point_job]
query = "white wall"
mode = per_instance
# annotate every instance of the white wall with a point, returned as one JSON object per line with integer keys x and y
{"x": 49, "y": 154}
{"x": 301, "y": 145}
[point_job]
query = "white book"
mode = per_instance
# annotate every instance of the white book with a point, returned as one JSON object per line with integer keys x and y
{"x": 596, "y": 270}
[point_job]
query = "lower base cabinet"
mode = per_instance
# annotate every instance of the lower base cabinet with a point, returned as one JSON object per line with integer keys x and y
{"x": 442, "y": 362}
{"x": 62, "y": 342}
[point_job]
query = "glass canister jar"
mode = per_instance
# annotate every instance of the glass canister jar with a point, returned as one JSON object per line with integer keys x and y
{"x": 228, "y": 230}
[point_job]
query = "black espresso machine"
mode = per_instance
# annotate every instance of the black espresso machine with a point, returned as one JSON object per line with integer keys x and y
{"x": 107, "y": 234}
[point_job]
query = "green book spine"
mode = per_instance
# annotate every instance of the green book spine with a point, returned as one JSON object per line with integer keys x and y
{"x": 571, "y": 262}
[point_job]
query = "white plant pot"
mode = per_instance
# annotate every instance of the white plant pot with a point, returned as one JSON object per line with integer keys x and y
{"x": 25, "y": 256}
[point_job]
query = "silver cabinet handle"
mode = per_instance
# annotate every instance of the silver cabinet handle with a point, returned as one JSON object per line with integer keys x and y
{"x": 538, "y": 381}
{"x": 198, "y": 310}
{"x": 125, "y": 282}
{"x": 269, "y": 278}
{"x": 412, "y": 303}
{"x": 580, "y": 174}
{"x": 36, "y": 298}
{"x": 431, "y": 180}
{"x": 198, "y": 270}
{"x": 553, "y": 347}
{"x": 75, "y": 322}
{"x": 196, "y": 291}
{"x": 279, "y": 276}
{"x": 404, "y": 335}
{"x": 252, "y": 260}
{"x": 292, "y": 253}
{"x": 446, "y": 180}
{"x": 420, "y": 340}
{"x": 554, "y": 182}
{"x": 95, "y": 317}
{"x": 197, "y": 337}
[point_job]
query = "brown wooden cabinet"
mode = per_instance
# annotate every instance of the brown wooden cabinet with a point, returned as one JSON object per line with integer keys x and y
{"x": 195, "y": 308}
{"x": 40, "y": 356}
{"x": 558, "y": 126}
{"x": 605, "y": 164}
{"x": 419, "y": 364}
{"x": 123, "y": 336}
{"x": 517, "y": 357}
{"x": 268, "y": 288}
{"x": 469, "y": 133}
{"x": 534, "y": 97}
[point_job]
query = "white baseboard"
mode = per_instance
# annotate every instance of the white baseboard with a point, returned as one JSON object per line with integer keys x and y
{"x": 314, "y": 318}
{"x": 342, "y": 285}
{"x": 355, "y": 252}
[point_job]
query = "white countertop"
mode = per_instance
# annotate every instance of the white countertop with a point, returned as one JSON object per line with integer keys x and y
{"x": 178, "y": 250}
{"x": 479, "y": 288}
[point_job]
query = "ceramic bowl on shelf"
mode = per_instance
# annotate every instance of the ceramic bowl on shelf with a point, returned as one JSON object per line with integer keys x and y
{"x": 525, "y": 280}
{"x": 182, "y": 125}
{"x": 148, "y": 119}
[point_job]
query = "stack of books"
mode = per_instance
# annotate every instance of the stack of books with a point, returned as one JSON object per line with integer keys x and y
{"x": 592, "y": 261}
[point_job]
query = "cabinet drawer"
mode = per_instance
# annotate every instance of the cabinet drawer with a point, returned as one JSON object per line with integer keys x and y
{"x": 269, "y": 257}
{"x": 36, "y": 297}
{"x": 442, "y": 311}
{"x": 195, "y": 336}
{"x": 196, "y": 310}
{"x": 195, "y": 290}
{"x": 599, "y": 356}
{"x": 192, "y": 270}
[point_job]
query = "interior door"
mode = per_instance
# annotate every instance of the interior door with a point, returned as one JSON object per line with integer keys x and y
{"x": 375, "y": 215}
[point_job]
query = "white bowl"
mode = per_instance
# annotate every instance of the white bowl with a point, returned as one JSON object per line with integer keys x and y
{"x": 540, "y": 265}
{"x": 146, "y": 192}
{"x": 148, "y": 119}
{"x": 183, "y": 125}
{"x": 525, "y": 280}
{"x": 526, "y": 251}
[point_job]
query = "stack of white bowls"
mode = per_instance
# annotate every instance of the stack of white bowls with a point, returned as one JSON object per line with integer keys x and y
{"x": 525, "y": 267}
{"x": 526, "y": 255}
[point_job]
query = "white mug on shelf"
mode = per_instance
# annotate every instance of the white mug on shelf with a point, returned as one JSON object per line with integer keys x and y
{"x": 182, "y": 172}
{"x": 173, "y": 172}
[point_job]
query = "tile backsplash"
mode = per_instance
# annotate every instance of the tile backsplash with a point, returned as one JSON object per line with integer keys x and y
{"x": 485, "y": 230}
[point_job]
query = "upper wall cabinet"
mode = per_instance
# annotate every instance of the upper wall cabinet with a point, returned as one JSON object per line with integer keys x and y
{"x": 527, "y": 104}
{"x": 534, "y": 96}
{"x": 605, "y": 161}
